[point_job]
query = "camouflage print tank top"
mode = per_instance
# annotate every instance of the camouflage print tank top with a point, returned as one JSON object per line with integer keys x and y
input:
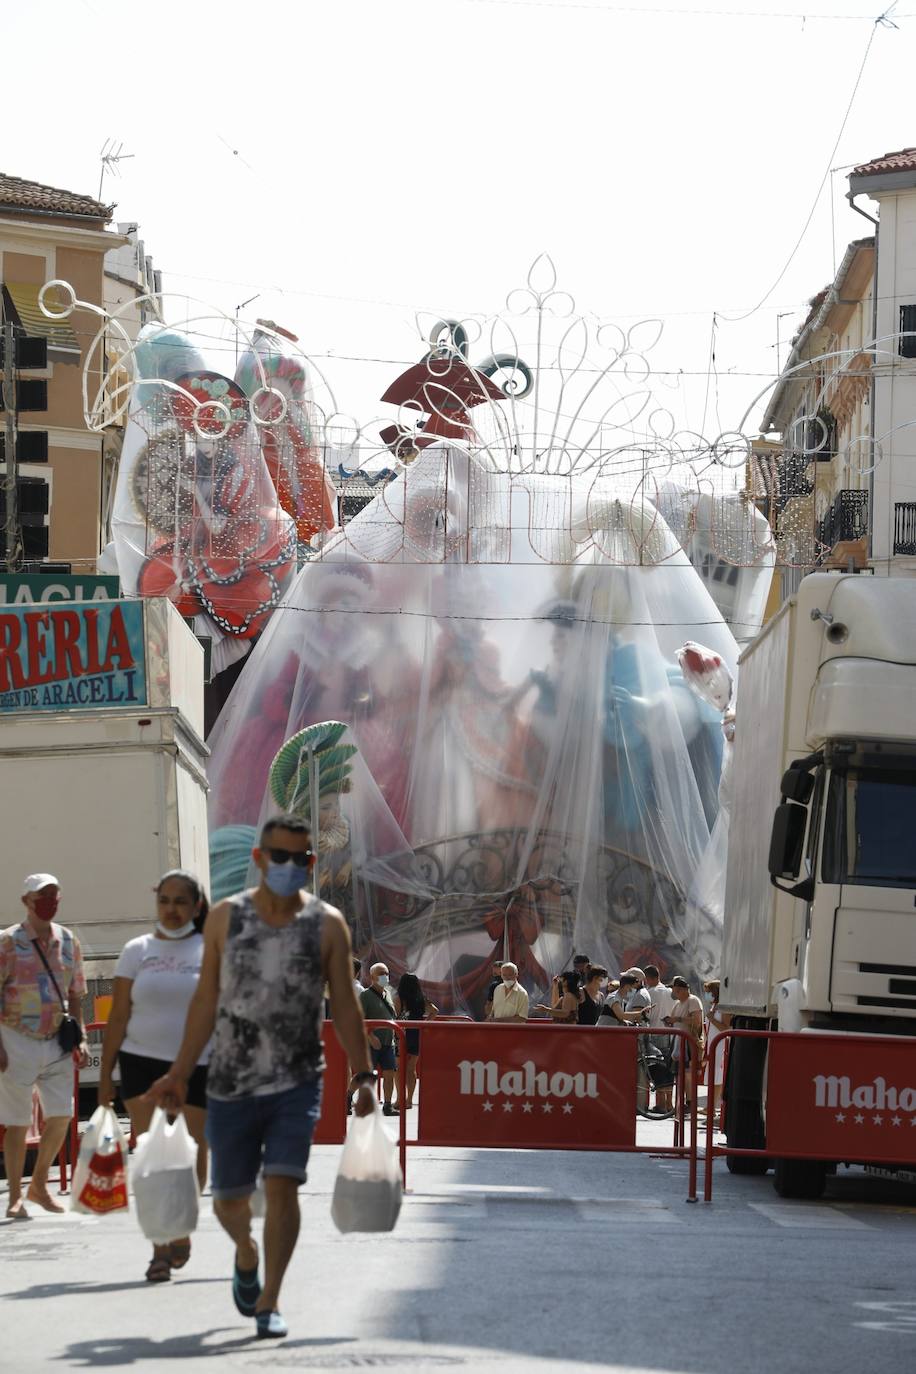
{"x": 271, "y": 1003}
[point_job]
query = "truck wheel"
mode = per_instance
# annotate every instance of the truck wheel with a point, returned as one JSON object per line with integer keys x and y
{"x": 744, "y": 1128}
{"x": 801, "y": 1178}
{"x": 744, "y": 1131}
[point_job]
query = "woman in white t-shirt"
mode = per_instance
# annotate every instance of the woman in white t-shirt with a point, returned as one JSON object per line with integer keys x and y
{"x": 154, "y": 980}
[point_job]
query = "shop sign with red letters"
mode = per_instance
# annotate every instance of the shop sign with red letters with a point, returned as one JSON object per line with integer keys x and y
{"x": 78, "y": 657}
{"x": 841, "y": 1098}
{"x": 518, "y": 1086}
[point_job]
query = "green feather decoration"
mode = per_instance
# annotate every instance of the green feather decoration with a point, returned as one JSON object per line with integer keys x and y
{"x": 288, "y": 777}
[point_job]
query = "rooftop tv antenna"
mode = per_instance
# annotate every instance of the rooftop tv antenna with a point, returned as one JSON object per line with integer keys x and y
{"x": 111, "y": 154}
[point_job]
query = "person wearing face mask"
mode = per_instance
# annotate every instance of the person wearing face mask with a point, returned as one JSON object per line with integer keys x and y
{"x": 268, "y": 953}
{"x": 378, "y": 1005}
{"x": 154, "y": 980}
{"x": 510, "y": 1000}
{"x": 41, "y": 982}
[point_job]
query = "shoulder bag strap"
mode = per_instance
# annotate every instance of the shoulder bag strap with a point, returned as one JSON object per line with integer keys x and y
{"x": 41, "y": 955}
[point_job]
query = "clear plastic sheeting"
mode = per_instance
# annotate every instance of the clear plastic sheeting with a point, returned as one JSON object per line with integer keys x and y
{"x": 707, "y": 675}
{"x": 730, "y": 544}
{"x": 533, "y": 776}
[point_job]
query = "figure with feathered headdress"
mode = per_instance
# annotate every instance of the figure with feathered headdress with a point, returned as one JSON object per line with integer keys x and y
{"x": 311, "y": 772}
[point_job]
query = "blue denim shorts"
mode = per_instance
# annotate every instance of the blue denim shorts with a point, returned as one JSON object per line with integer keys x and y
{"x": 385, "y": 1058}
{"x": 272, "y": 1133}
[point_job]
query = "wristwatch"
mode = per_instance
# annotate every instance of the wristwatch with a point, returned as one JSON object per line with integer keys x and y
{"x": 367, "y": 1076}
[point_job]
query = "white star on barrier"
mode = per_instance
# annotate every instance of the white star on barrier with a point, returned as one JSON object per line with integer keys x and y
{"x": 877, "y": 1119}
{"x": 527, "y": 1107}
{"x": 488, "y": 1106}
{"x": 859, "y": 1118}
{"x": 567, "y": 1109}
{"x": 547, "y": 1107}
{"x": 507, "y": 1106}
{"x": 841, "y": 1116}
{"x": 895, "y": 1121}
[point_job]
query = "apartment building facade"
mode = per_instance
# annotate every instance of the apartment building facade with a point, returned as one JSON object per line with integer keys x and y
{"x": 845, "y": 402}
{"x": 51, "y": 234}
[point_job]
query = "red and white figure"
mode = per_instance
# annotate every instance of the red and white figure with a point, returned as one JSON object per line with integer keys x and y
{"x": 197, "y": 516}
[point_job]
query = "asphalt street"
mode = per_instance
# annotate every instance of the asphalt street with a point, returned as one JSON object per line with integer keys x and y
{"x": 505, "y": 1260}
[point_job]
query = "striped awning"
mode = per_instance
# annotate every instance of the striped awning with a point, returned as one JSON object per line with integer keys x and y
{"x": 22, "y": 302}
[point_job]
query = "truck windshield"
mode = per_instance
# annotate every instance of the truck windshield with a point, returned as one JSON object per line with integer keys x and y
{"x": 870, "y": 828}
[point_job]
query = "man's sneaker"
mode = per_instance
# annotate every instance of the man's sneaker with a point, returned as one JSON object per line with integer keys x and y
{"x": 246, "y": 1289}
{"x": 270, "y": 1324}
{"x": 389, "y": 1110}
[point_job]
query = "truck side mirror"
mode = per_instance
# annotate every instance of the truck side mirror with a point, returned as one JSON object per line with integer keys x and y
{"x": 787, "y": 840}
{"x": 797, "y": 785}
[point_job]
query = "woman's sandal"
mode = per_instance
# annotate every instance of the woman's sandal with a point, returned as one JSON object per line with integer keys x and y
{"x": 158, "y": 1270}
{"x": 179, "y": 1253}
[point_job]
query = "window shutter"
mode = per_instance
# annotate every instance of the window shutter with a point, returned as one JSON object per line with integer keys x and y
{"x": 907, "y": 337}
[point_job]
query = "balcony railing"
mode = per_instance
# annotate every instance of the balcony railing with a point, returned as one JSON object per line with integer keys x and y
{"x": 905, "y": 528}
{"x": 846, "y": 519}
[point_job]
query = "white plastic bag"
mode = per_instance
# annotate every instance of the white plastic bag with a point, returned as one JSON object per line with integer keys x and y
{"x": 164, "y": 1177}
{"x": 100, "y": 1176}
{"x": 367, "y": 1191}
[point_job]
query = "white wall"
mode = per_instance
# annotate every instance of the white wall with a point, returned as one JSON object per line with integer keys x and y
{"x": 895, "y": 384}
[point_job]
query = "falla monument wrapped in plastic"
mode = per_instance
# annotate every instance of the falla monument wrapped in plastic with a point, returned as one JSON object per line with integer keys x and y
{"x": 473, "y": 688}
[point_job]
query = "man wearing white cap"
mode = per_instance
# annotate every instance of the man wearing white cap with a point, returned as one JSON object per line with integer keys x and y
{"x": 41, "y": 987}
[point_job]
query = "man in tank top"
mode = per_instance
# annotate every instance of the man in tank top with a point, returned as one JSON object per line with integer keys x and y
{"x": 268, "y": 953}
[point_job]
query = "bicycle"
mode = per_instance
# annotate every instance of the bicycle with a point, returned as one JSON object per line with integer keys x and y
{"x": 659, "y": 1072}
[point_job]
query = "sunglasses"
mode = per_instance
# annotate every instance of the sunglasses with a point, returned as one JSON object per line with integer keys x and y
{"x": 302, "y": 858}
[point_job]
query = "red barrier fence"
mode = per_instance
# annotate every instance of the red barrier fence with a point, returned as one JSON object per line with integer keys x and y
{"x": 518, "y": 1086}
{"x": 534, "y": 1086}
{"x": 524, "y": 1087}
{"x": 838, "y": 1098}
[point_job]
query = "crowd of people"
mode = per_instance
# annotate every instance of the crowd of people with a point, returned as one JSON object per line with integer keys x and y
{"x": 587, "y": 995}
{"x": 217, "y": 1014}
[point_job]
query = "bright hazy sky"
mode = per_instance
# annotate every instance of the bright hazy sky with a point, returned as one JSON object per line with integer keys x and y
{"x": 395, "y": 155}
